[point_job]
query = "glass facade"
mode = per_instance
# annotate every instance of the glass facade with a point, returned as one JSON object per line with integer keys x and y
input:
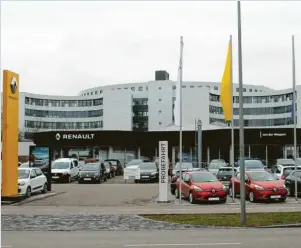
{"x": 140, "y": 114}
{"x": 63, "y": 114}
{"x": 63, "y": 103}
{"x": 62, "y": 125}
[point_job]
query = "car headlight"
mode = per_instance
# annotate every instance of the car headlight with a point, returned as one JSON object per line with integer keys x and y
{"x": 22, "y": 183}
{"x": 224, "y": 188}
{"x": 197, "y": 188}
{"x": 258, "y": 187}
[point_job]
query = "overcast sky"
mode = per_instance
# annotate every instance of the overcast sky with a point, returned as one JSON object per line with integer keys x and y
{"x": 63, "y": 47}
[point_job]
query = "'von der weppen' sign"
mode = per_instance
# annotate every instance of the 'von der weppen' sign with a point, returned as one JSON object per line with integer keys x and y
{"x": 263, "y": 134}
{"x": 163, "y": 171}
{"x": 74, "y": 136}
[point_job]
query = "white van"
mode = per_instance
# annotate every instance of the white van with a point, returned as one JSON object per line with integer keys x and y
{"x": 64, "y": 169}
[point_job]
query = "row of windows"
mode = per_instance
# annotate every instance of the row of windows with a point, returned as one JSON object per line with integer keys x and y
{"x": 63, "y": 114}
{"x": 254, "y": 123}
{"x": 140, "y": 101}
{"x": 93, "y": 93}
{"x": 140, "y": 113}
{"x": 63, "y": 103}
{"x": 63, "y": 125}
{"x": 254, "y": 111}
{"x": 257, "y": 99}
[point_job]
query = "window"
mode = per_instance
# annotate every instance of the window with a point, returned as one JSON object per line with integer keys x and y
{"x": 133, "y": 88}
{"x": 174, "y": 87}
{"x": 38, "y": 172}
{"x": 160, "y": 111}
{"x": 250, "y": 90}
{"x": 215, "y": 88}
{"x": 160, "y": 123}
{"x": 140, "y": 88}
{"x": 160, "y": 88}
{"x": 33, "y": 173}
{"x": 244, "y": 89}
{"x": 160, "y": 99}
{"x": 96, "y": 92}
{"x": 183, "y": 86}
{"x": 237, "y": 89}
{"x": 191, "y": 86}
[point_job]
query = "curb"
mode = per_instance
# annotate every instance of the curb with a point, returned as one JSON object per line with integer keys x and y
{"x": 33, "y": 198}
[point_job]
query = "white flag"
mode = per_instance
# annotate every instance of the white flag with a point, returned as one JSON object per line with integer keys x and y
{"x": 177, "y": 107}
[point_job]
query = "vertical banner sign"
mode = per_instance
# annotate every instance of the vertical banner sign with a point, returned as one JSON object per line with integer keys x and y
{"x": 10, "y": 133}
{"x": 163, "y": 171}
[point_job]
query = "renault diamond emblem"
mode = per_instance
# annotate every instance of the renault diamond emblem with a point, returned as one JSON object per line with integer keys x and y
{"x": 57, "y": 136}
{"x": 213, "y": 191}
{"x": 275, "y": 189}
{"x": 13, "y": 85}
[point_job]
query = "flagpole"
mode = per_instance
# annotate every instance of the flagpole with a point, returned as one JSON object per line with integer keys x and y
{"x": 294, "y": 114}
{"x": 1, "y": 87}
{"x": 241, "y": 125}
{"x": 232, "y": 124}
{"x": 180, "y": 141}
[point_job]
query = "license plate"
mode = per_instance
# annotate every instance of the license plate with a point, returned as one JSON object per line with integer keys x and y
{"x": 145, "y": 176}
{"x": 275, "y": 196}
{"x": 55, "y": 177}
{"x": 213, "y": 199}
{"x": 132, "y": 177}
{"x": 87, "y": 179}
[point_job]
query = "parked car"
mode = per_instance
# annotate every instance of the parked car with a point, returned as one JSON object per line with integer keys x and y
{"x": 136, "y": 162}
{"x": 290, "y": 182}
{"x": 201, "y": 186}
{"x": 64, "y": 169}
{"x": 253, "y": 165}
{"x": 148, "y": 172}
{"x": 109, "y": 169}
{"x": 31, "y": 180}
{"x": 215, "y": 164}
{"x": 93, "y": 172}
{"x": 282, "y": 171}
{"x": 260, "y": 185}
{"x": 116, "y": 165}
{"x": 224, "y": 174}
{"x": 185, "y": 166}
{"x": 177, "y": 175}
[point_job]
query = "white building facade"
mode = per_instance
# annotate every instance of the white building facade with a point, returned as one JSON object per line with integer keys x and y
{"x": 149, "y": 106}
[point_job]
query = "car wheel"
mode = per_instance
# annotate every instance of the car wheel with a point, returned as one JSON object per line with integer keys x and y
{"x": 45, "y": 189}
{"x": 252, "y": 197}
{"x": 136, "y": 181}
{"x": 191, "y": 198}
{"x": 28, "y": 192}
{"x": 290, "y": 191}
{"x": 177, "y": 193}
{"x": 105, "y": 178}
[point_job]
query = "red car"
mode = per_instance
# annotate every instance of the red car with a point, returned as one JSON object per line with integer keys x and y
{"x": 260, "y": 185}
{"x": 201, "y": 186}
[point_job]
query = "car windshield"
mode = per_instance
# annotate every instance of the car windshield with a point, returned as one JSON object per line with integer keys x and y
{"x": 107, "y": 165}
{"x": 216, "y": 165}
{"x": 217, "y": 161}
{"x": 287, "y": 171}
{"x": 262, "y": 176}
{"x": 148, "y": 166}
{"x": 184, "y": 166}
{"x": 225, "y": 171}
{"x": 286, "y": 161}
{"x": 135, "y": 162}
{"x": 253, "y": 164}
{"x": 203, "y": 177}
{"x": 22, "y": 174}
{"x": 60, "y": 165}
{"x": 91, "y": 167}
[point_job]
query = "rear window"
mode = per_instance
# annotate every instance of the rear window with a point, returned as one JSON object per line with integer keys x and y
{"x": 225, "y": 171}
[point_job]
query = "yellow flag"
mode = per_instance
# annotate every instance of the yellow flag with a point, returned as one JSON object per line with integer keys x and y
{"x": 226, "y": 91}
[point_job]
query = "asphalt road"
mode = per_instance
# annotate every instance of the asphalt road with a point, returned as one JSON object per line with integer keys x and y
{"x": 240, "y": 238}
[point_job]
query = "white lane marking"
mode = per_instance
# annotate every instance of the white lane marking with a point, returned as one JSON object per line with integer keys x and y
{"x": 200, "y": 244}
{"x": 6, "y": 246}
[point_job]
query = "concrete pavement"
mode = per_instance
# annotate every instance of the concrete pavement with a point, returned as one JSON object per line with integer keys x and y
{"x": 240, "y": 238}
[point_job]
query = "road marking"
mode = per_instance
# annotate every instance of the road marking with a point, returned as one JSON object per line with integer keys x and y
{"x": 200, "y": 244}
{"x": 6, "y": 246}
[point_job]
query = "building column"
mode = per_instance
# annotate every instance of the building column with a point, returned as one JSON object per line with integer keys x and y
{"x": 138, "y": 153}
{"x": 191, "y": 154}
{"x": 156, "y": 153}
{"x": 110, "y": 152}
{"x": 266, "y": 156}
{"x": 208, "y": 155}
{"x": 173, "y": 154}
{"x": 219, "y": 153}
{"x": 249, "y": 151}
{"x": 61, "y": 153}
{"x": 285, "y": 152}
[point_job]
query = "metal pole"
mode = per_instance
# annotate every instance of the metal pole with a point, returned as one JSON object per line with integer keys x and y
{"x": 195, "y": 140}
{"x": 241, "y": 125}
{"x": 294, "y": 114}
{"x": 266, "y": 156}
{"x": 200, "y": 143}
{"x": 232, "y": 126}
{"x": 1, "y": 87}
{"x": 180, "y": 142}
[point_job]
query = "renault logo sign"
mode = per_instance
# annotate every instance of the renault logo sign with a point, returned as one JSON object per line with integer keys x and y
{"x": 74, "y": 136}
{"x": 213, "y": 191}
{"x": 13, "y": 85}
{"x": 58, "y": 136}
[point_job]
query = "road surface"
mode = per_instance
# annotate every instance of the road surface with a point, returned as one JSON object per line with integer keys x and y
{"x": 221, "y": 238}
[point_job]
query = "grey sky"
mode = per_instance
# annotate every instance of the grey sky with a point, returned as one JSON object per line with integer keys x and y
{"x": 64, "y": 47}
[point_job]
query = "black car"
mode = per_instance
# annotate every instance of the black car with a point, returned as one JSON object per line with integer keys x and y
{"x": 224, "y": 174}
{"x": 116, "y": 165}
{"x": 148, "y": 172}
{"x": 92, "y": 172}
{"x": 290, "y": 182}
{"x": 109, "y": 169}
{"x": 177, "y": 175}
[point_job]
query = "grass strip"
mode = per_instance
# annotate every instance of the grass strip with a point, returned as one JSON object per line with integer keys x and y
{"x": 230, "y": 220}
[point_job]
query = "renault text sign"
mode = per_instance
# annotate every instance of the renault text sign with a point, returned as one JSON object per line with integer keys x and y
{"x": 74, "y": 136}
{"x": 163, "y": 171}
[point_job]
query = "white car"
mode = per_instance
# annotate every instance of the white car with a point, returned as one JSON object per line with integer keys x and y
{"x": 282, "y": 171}
{"x": 64, "y": 169}
{"x": 215, "y": 165}
{"x": 31, "y": 180}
